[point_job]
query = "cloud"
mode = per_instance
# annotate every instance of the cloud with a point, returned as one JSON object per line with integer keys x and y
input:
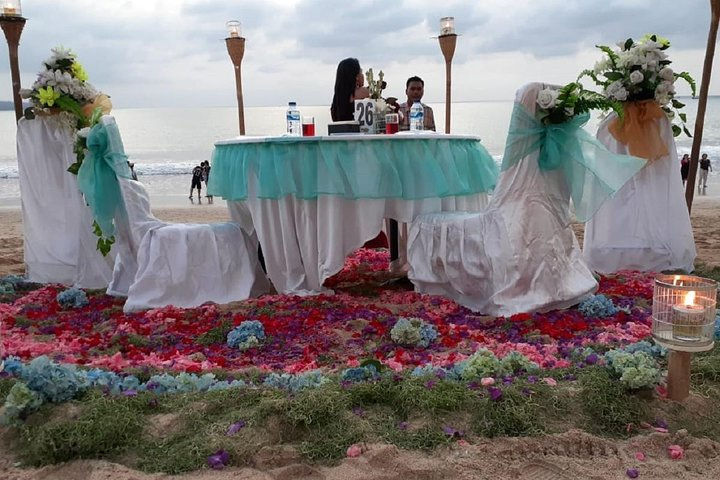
{"x": 165, "y": 52}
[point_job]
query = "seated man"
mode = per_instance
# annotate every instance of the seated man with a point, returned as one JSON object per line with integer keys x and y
{"x": 414, "y": 89}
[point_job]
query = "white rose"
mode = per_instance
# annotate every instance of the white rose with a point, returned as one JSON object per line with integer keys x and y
{"x": 83, "y": 132}
{"x": 616, "y": 91}
{"x": 547, "y": 98}
{"x": 601, "y": 65}
{"x": 636, "y": 76}
{"x": 667, "y": 74}
{"x": 25, "y": 93}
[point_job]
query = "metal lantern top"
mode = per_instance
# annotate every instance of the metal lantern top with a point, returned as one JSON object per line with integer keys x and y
{"x": 684, "y": 308}
{"x": 233, "y": 27}
{"x": 10, "y": 8}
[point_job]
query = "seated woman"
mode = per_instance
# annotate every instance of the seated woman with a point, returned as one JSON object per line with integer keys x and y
{"x": 350, "y": 86}
{"x": 521, "y": 254}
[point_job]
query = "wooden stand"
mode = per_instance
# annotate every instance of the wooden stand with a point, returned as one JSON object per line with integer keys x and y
{"x": 12, "y": 27}
{"x": 447, "y": 46}
{"x": 678, "y": 379}
{"x": 236, "y": 50}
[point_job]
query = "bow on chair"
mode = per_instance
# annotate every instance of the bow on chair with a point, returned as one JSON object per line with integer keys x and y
{"x": 592, "y": 172}
{"x": 97, "y": 176}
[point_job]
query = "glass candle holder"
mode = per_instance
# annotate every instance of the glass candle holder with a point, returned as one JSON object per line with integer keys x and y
{"x": 10, "y": 8}
{"x": 233, "y": 27}
{"x": 447, "y": 26}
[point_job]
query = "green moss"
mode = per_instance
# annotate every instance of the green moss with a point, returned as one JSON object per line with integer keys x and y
{"x": 607, "y": 404}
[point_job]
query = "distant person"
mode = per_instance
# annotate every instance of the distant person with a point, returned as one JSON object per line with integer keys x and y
{"x": 197, "y": 177}
{"x": 349, "y": 86}
{"x": 705, "y": 167}
{"x": 415, "y": 89}
{"x": 132, "y": 170}
{"x": 685, "y": 168}
{"x": 206, "y": 178}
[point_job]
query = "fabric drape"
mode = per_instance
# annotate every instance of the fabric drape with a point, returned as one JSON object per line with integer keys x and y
{"x": 97, "y": 176}
{"x": 591, "y": 172}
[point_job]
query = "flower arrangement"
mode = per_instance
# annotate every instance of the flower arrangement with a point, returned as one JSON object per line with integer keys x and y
{"x": 636, "y": 370}
{"x": 375, "y": 87}
{"x": 62, "y": 86}
{"x": 413, "y": 331}
{"x": 247, "y": 335}
{"x": 560, "y": 105}
{"x": 598, "y": 306}
{"x": 640, "y": 70}
{"x": 72, "y": 298}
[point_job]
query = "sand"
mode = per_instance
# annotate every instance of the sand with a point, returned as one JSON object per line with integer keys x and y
{"x": 571, "y": 455}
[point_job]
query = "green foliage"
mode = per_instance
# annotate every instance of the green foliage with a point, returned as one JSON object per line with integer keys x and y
{"x": 104, "y": 244}
{"x": 416, "y": 395}
{"x": 606, "y": 403}
{"x": 427, "y": 437}
{"x": 105, "y": 426}
{"x": 513, "y": 415}
{"x": 216, "y": 335}
{"x": 329, "y": 442}
{"x": 317, "y": 406}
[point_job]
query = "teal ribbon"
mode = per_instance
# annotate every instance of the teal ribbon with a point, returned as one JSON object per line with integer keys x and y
{"x": 97, "y": 177}
{"x": 592, "y": 172}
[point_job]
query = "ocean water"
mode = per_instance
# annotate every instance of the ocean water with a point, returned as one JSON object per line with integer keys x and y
{"x": 166, "y": 143}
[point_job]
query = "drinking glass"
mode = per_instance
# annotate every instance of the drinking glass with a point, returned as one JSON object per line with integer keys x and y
{"x": 392, "y": 123}
{"x": 308, "y": 126}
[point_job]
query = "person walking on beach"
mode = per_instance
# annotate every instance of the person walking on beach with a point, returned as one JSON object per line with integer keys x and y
{"x": 206, "y": 178}
{"x": 685, "y": 167}
{"x": 705, "y": 167}
{"x": 197, "y": 176}
{"x": 415, "y": 89}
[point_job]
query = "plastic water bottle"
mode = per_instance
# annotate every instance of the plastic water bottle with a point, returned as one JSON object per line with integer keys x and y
{"x": 417, "y": 120}
{"x": 294, "y": 126}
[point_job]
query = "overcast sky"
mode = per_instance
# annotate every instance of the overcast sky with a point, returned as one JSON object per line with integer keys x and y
{"x": 147, "y": 53}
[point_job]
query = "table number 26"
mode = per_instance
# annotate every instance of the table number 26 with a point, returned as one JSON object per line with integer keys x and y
{"x": 365, "y": 114}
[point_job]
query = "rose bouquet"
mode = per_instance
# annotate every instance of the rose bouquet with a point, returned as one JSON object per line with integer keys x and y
{"x": 640, "y": 70}
{"x": 560, "y": 105}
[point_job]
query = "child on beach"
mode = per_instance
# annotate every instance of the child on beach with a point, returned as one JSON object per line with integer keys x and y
{"x": 197, "y": 177}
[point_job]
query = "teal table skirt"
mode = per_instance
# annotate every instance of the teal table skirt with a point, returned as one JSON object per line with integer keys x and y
{"x": 409, "y": 167}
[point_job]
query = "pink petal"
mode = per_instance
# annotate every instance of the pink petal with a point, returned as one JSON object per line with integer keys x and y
{"x": 676, "y": 452}
{"x": 487, "y": 381}
{"x": 640, "y": 456}
{"x": 354, "y": 451}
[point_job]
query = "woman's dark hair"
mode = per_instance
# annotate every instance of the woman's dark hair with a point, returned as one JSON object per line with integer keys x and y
{"x": 341, "y": 108}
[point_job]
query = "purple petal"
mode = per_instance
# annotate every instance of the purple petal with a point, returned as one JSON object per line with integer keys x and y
{"x": 495, "y": 394}
{"x": 218, "y": 460}
{"x": 235, "y": 427}
{"x": 632, "y": 473}
{"x": 661, "y": 423}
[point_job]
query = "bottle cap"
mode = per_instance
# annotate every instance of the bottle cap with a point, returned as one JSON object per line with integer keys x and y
{"x": 292, "y": 103}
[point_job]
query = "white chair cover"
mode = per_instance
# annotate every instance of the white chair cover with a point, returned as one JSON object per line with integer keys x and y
{"x": 519, "y": 255}
{"x": 59, "y": 246}
{"x": 646, "y": 226}
{"x": 180, "y": 264}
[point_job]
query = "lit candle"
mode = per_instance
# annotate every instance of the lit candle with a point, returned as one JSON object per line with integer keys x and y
{"x": 447, "y": 26}
{"x": 9, "y": 9}
{"x": 233, "y": 27}
{"x": 688, "y": 319}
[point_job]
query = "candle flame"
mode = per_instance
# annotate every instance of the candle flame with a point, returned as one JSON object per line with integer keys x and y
{"x": 677, "y": 277}
{"x": 689, "y": 298}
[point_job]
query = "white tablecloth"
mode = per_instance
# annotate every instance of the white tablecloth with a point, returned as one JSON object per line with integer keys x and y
{"x": 305, "y": 240}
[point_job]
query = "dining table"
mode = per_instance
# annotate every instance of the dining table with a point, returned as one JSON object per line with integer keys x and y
{"x": 313, "y": 200}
